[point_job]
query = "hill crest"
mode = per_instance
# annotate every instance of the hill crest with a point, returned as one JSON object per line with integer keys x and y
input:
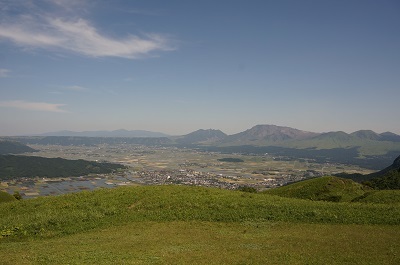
{"x": 13, "y": 147}
{"x": 366, "y": 134}
{"x": 270, "y": 133}
{"x": 202, "y": 137}
{"x": 395, "y": 166}
{"x": 327, "y": 188}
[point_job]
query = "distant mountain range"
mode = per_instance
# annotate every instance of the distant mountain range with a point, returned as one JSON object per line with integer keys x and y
{"x": 364, "y": 147}
{"x": 265, "y": 135}
{"x": 116, "y": 133}
{"x": 260, "y": 135}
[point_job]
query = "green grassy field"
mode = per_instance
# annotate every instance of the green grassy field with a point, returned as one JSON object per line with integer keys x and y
{"x": 195, "y": 242}
{"x": 336, "y": 189}
{"x": 323, "y": 189}
{"x": 5, "y": 197}
{"x": 381, "y": 196}
{"x": 195, "y": 225}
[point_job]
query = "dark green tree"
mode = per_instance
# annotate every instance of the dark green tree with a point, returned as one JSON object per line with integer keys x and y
{"x": 17, "y": 195}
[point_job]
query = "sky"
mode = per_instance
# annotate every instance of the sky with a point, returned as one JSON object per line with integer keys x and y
{"x": 178, "y": 66}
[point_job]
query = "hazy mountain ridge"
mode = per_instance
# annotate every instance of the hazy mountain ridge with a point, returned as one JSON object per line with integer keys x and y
{"x": 364, "y": 147}
{"x": 269, "y": 133}
{"x": 361, "y": 134}
{"x": 202, "y": 136}
{"x": 389, "y": 136}
{"x": 366, "y": 134}
{"x": 266, "y": 133}
{"x": 367, "y": 142}
{"x": 280, "y": 133}
{"x": 115, "y": 133}
{"x": 273, "y": 135}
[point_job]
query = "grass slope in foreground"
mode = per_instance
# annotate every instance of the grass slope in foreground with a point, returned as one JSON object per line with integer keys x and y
{"x": 181, "y": 242}
{"x": 5, "y": 197}
{"x": 195, "y": 225}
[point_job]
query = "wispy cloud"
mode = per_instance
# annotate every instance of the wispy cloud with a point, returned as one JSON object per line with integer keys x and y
{"x": 4, "y": 72}
{"x": 68, "y": 4}
{"x": 76, "y": 34}
{"x": 76, "y": 88}
{"x": 33, "y": 106}
{"x": 81, "y": 37}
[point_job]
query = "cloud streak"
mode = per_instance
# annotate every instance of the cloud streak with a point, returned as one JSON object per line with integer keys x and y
{"x": 4, "y": 72}
{"x": 76, "y": 88}
{"x": 32, "y": 106}
{"x": 78, "y": 35}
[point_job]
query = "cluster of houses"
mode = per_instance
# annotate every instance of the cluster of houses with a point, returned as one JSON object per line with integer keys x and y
{"x": 207, "y": 179}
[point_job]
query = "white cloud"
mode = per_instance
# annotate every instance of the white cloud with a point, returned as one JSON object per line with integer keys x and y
{"x": 4, "y": 72}
{"x": 79, "y": 36}
{"x": 23, "y": 36}
{"x": 35, "y": 106}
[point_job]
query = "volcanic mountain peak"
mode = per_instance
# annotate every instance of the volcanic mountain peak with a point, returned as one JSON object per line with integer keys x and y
{"x": 272, "y": 133}
{"x": 202, "y": 136}
{"x": 366, "y": 134}
{"x": 337, "y": 136}
{"x": 389, "y": 136}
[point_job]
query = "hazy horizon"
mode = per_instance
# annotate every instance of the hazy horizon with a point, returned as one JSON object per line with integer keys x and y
{"x": 184, "y": 133}
{"x": 178, "y": 66}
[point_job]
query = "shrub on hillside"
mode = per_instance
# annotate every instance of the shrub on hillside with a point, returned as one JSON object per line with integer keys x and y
{"x": 247, "y": 189}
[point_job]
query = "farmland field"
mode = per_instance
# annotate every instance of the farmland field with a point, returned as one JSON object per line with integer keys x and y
{"x": 170, "y": 165}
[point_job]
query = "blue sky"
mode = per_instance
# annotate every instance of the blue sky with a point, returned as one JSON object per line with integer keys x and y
{"x": 178, "y": 66}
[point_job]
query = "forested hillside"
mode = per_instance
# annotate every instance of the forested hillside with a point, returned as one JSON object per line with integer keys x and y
{"x": 30, "y": 166}
{"x": 12, "y": 147}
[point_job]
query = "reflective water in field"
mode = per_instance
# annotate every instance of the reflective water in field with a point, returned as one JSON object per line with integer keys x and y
{"x": 46, "y": 187}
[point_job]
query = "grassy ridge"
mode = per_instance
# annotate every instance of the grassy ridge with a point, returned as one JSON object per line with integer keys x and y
{"x": 336, "y": 190}
{"x": 78, "y": 212}
{"x": 196, "y": 225}
{"x": 322, "y": 189}
{"x": 380, "y": 196}
{"x": 5, "y": 197}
